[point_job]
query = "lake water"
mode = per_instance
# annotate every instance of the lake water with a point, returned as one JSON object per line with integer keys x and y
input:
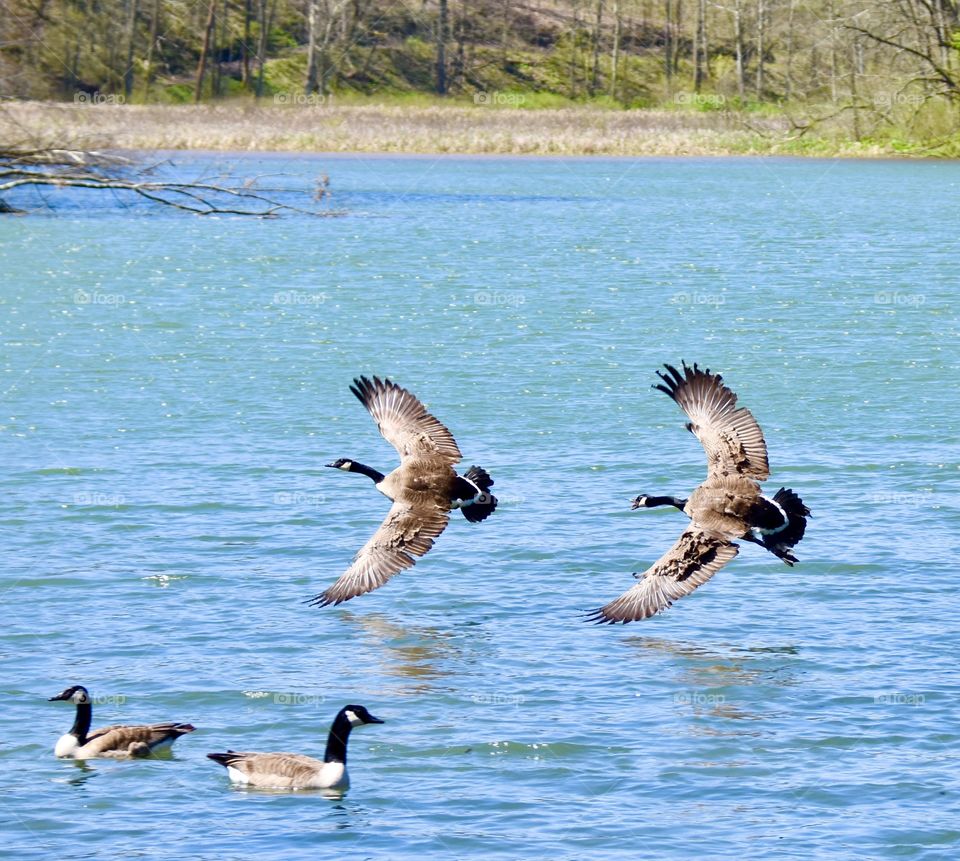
{"x": 172, "y": 387}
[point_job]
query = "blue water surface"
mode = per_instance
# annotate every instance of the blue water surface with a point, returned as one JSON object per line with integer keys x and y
{"x": 173, "y": 385}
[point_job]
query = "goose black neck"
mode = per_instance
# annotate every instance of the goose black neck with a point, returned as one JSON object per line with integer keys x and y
{"x": 81, "y": 723}
{"x": 337, "y": 740}
{"x": 654, "y": 501}
{"x": 368, "y": 471}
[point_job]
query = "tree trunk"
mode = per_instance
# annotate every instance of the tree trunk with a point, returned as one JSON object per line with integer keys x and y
{"x": 573, "y": 48}
{"x": 855, "y": 111}
{"x": 219, "y": 40}
{"x": 245, "y": 48}
{"x": 700, "y": 59}
{"x": 148, "y": 64}
{"x": 312, "y": 12}
{"x": 205, "y": 50}
{"x": 788, "y": 72}
{"x": 442, "y": 49}
{"x": 615, "y": 53}
{"x": 130, "y": 37}
{"x": 678, "y": 30}
{"x": 667, "y": 42}
{"x": 833, "y": 52}
{"x": 761, "y": 47}
{"x": 460, "y": 60}
{"x": 738, "y": 40}
{"x": 595, "y": 71}
{"x": 263, "y": 43}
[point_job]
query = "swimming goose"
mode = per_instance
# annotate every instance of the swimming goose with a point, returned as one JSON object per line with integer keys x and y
{"x": 423, "y": 489}
{"x": 117, "y": 741}
{"x": 294, "y": 770}
{"x": 727, "y": 506}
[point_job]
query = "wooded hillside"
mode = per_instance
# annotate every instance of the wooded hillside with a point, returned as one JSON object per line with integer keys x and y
{"x": 869, "y": 62}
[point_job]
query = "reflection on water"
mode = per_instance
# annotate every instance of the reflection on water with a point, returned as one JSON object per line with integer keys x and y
{"x": 418, "y": 653}
{"x": 82, "y": 773}
{"x": 708, "y": 681}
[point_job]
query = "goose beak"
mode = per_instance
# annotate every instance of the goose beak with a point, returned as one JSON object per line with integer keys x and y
{"x": 57, "y": 698}
{"x": 372, "y": 719}
{"x": 332, "y": 465}
{"x": 636, "y": 503}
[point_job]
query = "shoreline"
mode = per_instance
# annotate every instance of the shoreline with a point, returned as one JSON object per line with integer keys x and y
{"x": 416, "y": 130}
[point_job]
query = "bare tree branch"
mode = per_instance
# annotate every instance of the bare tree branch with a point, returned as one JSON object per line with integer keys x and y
{"x": 104, "y": 171}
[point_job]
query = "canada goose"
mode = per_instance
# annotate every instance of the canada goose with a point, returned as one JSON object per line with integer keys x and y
{"x": 111, "y": 741}
{"x": 423, "y": 489}
{"x": 294, "y": 770}
{"x": 728, "y": 505}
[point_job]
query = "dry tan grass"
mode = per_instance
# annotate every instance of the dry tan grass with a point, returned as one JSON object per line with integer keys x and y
{"x": 398, "y": 129}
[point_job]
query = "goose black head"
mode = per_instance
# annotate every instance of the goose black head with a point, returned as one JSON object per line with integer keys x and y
{"x": 640, "y": 502}
{"x": 343, "y": 463}
{"x": 76, "y": 694}
{"x": 358, "y": 715}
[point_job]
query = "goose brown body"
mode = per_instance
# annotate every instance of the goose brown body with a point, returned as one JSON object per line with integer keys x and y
{"x": 729, "y": 505}
{"x": 295, "y": 770}
{"x": 424, "y": 488}
{"x": 119, "y": 741}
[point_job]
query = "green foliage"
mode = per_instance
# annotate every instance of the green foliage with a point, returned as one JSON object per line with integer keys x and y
{"x": 546, "y": 55}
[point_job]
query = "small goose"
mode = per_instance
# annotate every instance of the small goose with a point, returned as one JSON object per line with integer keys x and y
{"x": 423, "y": 489}
{"x": 111, "y": 741}
{"x": 727, "y": 506}
{"x": 294, "y": 770}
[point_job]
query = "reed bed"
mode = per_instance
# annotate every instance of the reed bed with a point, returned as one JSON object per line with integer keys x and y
{"x": 408, "y": 129}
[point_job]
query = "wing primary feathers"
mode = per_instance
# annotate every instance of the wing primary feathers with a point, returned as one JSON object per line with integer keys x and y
{"x": 404, "y": 421}
{"x": 404, "y": 535}
{"x": 730, "y": 436}
{"x": 694, "y": 558}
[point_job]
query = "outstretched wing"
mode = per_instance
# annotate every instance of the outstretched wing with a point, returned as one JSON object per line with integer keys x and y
{"x": 404, "y": 421}
{"x": 731, "y": 437}
{"x": 693, "y": 559}
{"x": 404, "y": 534}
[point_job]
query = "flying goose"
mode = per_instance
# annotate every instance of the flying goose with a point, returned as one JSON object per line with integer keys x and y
{"x": 727, "y": 506}
{"x": 294, "y": 770}
{"x": 111, "y": 741}
{"x": 423, "y": 489}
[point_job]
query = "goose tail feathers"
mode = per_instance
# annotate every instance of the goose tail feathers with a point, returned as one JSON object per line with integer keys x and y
{"x": 484, "y": 503}
{"x": 781, "y": 541}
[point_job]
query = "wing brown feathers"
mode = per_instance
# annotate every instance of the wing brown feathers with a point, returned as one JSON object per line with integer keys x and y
{"x": 404, "y": 421}
{"x": 694, "y": 558}
{"x": 119, "y": 738}
{"x": 405, "y": 533}
{"x": 731, "y": 437}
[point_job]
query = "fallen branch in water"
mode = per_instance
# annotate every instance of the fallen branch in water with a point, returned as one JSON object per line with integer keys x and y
{"x": 60, "y": 168}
